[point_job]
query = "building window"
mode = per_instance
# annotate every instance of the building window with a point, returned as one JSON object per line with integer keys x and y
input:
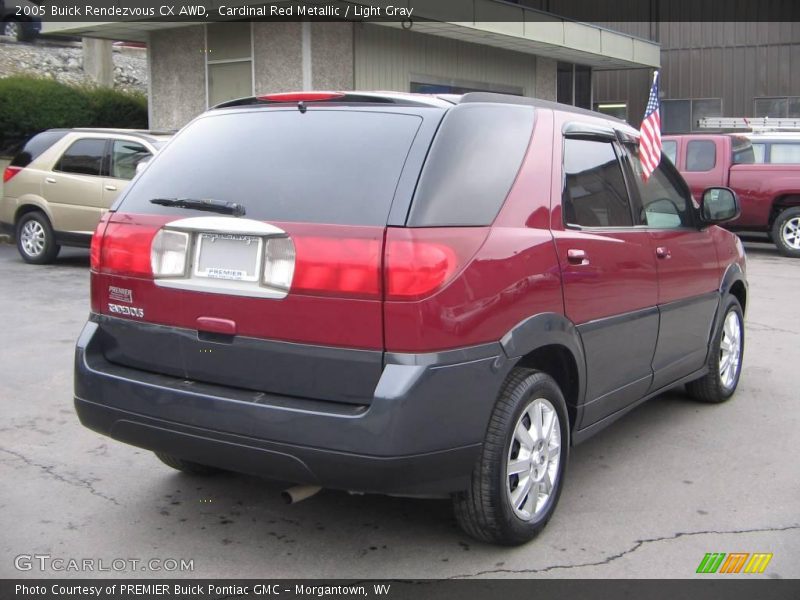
{"x": 229, "y": 61}
{"x": 777, "y": 107}
{"x": 617, "y": 110}
{"x": 681, "y": 116}
{"x": 422, "y": 84}
{"x": 574, "y": 85}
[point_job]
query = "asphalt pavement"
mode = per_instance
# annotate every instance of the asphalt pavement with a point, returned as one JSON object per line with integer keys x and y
{"x": 647, "y": 497}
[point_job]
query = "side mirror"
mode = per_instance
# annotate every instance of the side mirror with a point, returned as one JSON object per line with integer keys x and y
{"x": 719, "y": 204}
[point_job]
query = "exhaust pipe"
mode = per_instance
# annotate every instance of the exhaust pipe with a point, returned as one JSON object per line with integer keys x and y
{"x": 299, "y": 492}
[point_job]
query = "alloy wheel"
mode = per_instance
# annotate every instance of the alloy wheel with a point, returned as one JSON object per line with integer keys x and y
{"x": 790, "y": 232}
{"x": 533, "y": 459}
{"x": 33, "y": 238}
{"x": 730, "y": 350}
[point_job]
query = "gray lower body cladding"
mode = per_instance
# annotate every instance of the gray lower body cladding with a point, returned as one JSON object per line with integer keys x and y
{"x": 420, "y": 434}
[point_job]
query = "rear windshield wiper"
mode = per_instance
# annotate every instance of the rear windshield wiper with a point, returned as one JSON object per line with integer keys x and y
{"x": 207, "y": 204}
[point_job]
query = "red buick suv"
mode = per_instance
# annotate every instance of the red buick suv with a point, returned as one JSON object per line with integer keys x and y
{"x": 430, "y": 296}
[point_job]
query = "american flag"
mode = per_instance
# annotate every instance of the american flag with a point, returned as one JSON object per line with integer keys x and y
{"x": 650, "y": 140}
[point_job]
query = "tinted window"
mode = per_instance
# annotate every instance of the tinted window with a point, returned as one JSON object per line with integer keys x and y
{"x": 594, "y": 189}
{"x": 322, "y": 166}
{"x": 744, "y": 152}
{"x": 701, "y": 155}
{"x": 784, "y": 153}
{"x": 125, "y": 156}
{"x": 670, "y": 149}
{"x": 36, "y": 146}
{"x": 84, "y": 157}
{"x": 473, "y": 162}
{"x": 664, "y": 200}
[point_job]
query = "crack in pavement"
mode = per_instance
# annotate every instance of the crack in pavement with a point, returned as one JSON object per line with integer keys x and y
{"x": 50, "y": 470}
{"x": 764, "y": 327}
{"x": 638, "y": 544}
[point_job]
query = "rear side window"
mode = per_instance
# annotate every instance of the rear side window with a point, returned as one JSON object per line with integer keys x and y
{"x": 125, "y": 155}
{"x": 83, "y": 157}
{"x": 473, "y": 162}
{"x": 594, "y": 188}
{"x": 321, "y": 166}
{"x": 36, "y": 146}
{"x": 784, "y": 154}
{"x": 701, "y": 155}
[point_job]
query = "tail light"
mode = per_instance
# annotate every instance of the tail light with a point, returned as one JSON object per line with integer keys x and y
{"x": 9, "y": 173}
{"x": 168, "y": 253}
{"x": 317, "y": 260}
{"x": 333, "y": 266}
{"x": 421, "y": 261}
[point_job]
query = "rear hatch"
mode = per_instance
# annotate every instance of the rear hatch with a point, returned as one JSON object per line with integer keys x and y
{"x": 249, "y": 252}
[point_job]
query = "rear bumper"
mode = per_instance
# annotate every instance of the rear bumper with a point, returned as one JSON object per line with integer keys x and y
{"x": 421, "y": 434}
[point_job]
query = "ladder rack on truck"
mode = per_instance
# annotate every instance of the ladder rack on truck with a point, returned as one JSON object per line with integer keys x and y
{"x": 756, "y": 124}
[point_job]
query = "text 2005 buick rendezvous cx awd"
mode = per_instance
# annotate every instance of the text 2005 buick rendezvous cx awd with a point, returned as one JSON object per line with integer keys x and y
{"x": 404, "y": 294}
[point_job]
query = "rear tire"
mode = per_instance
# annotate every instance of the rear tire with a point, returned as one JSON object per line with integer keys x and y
{"x": 517, "y": 480}
{"x": 186, "y": 466}
{"x": 36, "y": 241}
{"x": 727, "y": 350}
{"x": 786, "y": 232}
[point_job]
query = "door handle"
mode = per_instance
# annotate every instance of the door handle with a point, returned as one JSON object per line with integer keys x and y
{"x": 111, "y": 188}
{"x": 663, "y": 252}
{"x": 576, "y": 256}
{"x": 50, "y": 179}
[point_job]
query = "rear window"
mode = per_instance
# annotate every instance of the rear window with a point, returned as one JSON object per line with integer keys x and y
{"x": 36, "y": 146}
{"x": 321, "y": 166}
{"x": 701, "y": 155}
{"x": 744, "y": 152}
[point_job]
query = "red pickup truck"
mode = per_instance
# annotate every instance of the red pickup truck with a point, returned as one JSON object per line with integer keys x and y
{"x": 769, "y": 193}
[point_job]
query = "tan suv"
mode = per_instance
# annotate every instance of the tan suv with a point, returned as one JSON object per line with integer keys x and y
{"x": 57, "y": 188}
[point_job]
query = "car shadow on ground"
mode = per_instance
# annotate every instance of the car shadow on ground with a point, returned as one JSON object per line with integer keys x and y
{"x": 247, "y": 514}
{"x": 72, "y": 257}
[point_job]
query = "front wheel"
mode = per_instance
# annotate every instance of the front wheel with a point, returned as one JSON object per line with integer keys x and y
{"x": 786, "y": 232}
{"x": 724, "y": 357}
{"x": 517, "y": 481}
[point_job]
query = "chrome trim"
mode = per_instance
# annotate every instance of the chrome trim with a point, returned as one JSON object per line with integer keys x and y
{"x": 225, "y": 225}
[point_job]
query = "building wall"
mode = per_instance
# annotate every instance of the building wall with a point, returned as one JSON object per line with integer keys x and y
{"x": 177, "y": 76}
{"x": 332, "y": 56}
{"x": 733, "y": 61}
{"x": 388, "y": 58}
{"x": 336, "y": 56}
{"x": 277, "y": 57}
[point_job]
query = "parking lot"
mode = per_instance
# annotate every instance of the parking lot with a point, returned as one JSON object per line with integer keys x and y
{"x": 647, "y": 497}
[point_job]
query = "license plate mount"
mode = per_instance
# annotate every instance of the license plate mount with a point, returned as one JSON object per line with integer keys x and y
{"x": 228, "y": 256}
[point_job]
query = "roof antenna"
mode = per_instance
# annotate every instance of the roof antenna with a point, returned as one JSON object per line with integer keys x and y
{"x": 301, "y": 106}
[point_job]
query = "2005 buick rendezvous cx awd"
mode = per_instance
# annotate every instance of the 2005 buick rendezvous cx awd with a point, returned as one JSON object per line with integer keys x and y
{"x": 404, "y": 294}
